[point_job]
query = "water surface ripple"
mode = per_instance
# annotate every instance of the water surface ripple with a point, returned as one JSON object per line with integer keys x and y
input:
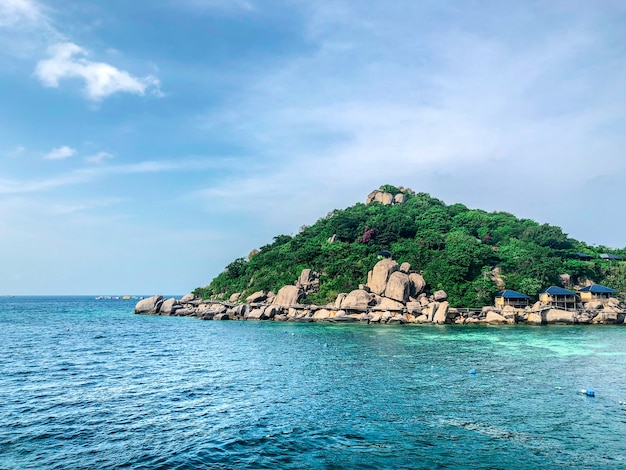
{"x": 87, "y": 384}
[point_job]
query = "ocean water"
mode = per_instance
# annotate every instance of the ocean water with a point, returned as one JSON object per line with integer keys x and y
{"x": 87, "y": 384}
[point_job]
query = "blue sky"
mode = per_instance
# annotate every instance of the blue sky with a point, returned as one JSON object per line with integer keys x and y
{"x": 144, "y": 145}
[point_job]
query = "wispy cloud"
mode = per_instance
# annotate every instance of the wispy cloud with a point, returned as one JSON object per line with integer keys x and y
{"x": 60, "y": 153}
{"x": 15, "y": 12}
{"x": 98, "y": 157}
{"x": 67, "y": 61}
{"x": 85, "y": 175}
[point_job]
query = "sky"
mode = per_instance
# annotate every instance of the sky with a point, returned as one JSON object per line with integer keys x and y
{"x": 145, "y": 145}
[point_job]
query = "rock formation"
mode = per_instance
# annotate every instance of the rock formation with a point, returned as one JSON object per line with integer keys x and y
{"x": 394, "y": 294}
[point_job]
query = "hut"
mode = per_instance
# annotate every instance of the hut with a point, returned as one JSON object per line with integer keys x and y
{"x": 512, "y": 298}
{"x": 557, "y": 297}
{"x": 610, "y": 257}
{"x": 596, "y": 292}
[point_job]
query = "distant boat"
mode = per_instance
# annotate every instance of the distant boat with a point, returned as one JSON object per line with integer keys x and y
{"x": 126, "y": 297}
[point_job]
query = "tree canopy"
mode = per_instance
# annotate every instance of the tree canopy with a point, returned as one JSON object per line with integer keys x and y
{"x": 456, "y": 248}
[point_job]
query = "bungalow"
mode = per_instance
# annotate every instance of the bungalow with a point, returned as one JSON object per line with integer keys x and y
{"x": 610, "y": 257}
{"x": 595, "y": 292}
{"x": 512, "y": 298}
{"x": 557, "y": 297}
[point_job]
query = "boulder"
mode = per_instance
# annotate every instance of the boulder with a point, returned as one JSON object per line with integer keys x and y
{"x": 168, "y": 306}
{"x": 371, "y": 196}
{"x": 494, "y": 318}
{"x": 612, "y": 302}
{"x": 440, "y": 295}
{"x": 258, "y": 296}
{"x": 534, "y": 319}
{"x": 385, "y": 317}
{"x": 421, "y": 319}
{"x": 221, "y": 316}
{"x": 321, "y": 314}
{"x": 416, "y": 284}
{"x": 405, "y": 268}
{"x": 397, "y": 287}
{"x": 187, "y": 298}
{"x": 288, "y": 295}
{"x": 305, "y": 277}
{"x": 356, "y": 300}
{"x": 399, "y": 198}
{"x": 387, "y": 199}
{"x": 380, "y": 274}
{"x": 270, "y": 312}
{"x": 606, "y": 317}
{"x": 441, "y": 314}
{"x": 255, "y": 314}
{"x": 594, "y": 305}
{"x": 397, "y": 319}
{"x": 339, "y": 299}
{"x": 235, "y": 297}
{"x": 332, "y": 239}
{"x": 414, "y": 307}
{"x": 559, "y": 316}
{"x": 151, "y": 305}
{"x": 390, "y": 304}
{"x": 375, "y": 318}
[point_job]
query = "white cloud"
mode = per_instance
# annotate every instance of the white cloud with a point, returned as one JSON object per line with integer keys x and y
{"x": 14, "y": 12}
{"x": 60, "y": 153}
{"x": 98, "y": 157}
{"x": 67, "y": 61}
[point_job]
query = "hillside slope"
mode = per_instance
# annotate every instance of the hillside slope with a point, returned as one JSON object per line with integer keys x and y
{"x": 469, "y": 253}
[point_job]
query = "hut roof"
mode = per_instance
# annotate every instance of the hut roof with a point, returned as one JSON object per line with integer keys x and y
{"x": 554, "y": 290}
{"x": 511, "y": 294}
{"x": 609, "y": 256}
{"x": 583, "y": 255}
{"x": 598, "y": 289}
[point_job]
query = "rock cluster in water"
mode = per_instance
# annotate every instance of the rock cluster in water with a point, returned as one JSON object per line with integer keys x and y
{"x": 393, "y": 294}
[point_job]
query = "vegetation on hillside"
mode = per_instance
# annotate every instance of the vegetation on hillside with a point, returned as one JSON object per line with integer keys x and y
{"x": 456, "y": 248}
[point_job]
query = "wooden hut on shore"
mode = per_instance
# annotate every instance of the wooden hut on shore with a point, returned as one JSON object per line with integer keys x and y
{"x": 557, "y": 297}
{"x": 596, "y": 292}
{"x": 512, "y": 298}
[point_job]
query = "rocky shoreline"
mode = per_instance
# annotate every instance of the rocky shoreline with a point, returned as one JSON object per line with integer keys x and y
{"x": 394, "y": 294}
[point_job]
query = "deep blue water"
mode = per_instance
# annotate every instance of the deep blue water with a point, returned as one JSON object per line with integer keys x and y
{"x": 87, "y": 384}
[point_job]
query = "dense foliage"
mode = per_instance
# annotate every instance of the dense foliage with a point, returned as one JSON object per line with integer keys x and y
{"x": 456, "y": 248}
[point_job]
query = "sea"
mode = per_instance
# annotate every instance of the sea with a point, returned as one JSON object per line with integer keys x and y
{"x": 85, "y": 383}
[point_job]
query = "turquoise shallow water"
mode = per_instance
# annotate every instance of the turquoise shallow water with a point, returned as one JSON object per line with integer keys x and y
{"x": 87, "y": 384}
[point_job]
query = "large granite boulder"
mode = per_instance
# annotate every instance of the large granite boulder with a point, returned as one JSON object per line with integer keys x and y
{"x": 405, "y": 267}
{"x": 494, "y": 318}
{"x": 440, "y": 295}
{"x": 441, "y": 314}
{"x": 187, "y": 298}
{"x": 560, "y": 316}
{"x": 380, "y": 274}
{"x": 399, "y": 198}
{"x": 534, "y": 319}
{"x": 151, "y": 305}
{"x": 168, "y": 306}
{"x": 416, "y": 284}
{"x": 397, "y": 287}
{"x": 234, "y": 297}
{"x": 390, "y": 304}
{"x": 288, "y": 295}
{"x": 339, "y": 299}
{"x": 321, "y": 314}
{"x": 258, "y": 296}
{"x": 356, "y": 300}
